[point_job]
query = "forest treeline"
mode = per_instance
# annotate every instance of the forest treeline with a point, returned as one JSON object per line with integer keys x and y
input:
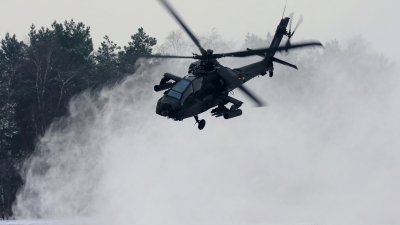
{"x": 37, "y": 79}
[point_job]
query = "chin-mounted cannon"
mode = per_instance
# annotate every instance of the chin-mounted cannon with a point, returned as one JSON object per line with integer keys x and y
{"x": 164, "y": 84}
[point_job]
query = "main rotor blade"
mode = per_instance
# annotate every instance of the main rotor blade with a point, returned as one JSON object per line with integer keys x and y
{"x": 248, "y": 93}
{"x": 169, "y": 8}
{"x": 266, "y": 50}
{"x": 231, "y": 79}
{"x": 165, "y": 56}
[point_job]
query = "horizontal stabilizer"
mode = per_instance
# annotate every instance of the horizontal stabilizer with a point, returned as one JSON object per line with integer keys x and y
{"x": 284, "y": 63}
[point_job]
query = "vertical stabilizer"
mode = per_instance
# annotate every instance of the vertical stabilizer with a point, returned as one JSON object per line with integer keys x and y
{"x": 279, "y": 33}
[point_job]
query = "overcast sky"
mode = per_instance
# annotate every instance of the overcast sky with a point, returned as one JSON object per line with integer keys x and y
{"x": 323, "y": 20}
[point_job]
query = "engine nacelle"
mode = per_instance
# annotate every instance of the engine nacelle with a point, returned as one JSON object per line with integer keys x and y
{"x": 163, "y": 86}
{"x": 170, "y": 76}
{"x": 232, "y": 114}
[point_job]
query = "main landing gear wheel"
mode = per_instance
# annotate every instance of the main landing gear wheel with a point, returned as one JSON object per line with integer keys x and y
{"x": 202, "y": 123}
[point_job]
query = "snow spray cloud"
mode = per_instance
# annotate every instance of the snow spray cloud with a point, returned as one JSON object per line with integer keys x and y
{"x": 324, "y": 151}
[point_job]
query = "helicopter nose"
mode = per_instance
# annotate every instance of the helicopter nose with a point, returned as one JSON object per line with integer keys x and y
{"x": 165, "y": 112}
{"x": 163, "y": 109}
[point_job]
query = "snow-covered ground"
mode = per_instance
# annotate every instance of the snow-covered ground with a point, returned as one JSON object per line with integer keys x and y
{"x": 80, "y": 221}
{"x": 325, "y": 151}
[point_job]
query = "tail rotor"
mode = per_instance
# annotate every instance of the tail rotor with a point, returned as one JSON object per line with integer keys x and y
{"x": 290, "y": 33}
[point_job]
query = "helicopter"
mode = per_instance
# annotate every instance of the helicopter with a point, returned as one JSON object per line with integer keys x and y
{"x": 208, "y": 83}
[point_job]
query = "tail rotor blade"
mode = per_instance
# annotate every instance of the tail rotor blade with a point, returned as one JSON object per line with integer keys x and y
{"x": 290, "y": 20}
{"x": 298, "y": 24}
{"x": 290, "y": 34}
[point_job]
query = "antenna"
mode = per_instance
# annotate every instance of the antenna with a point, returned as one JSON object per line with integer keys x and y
{"x": 284, "y": 9}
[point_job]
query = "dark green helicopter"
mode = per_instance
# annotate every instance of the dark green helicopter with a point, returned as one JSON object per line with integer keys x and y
{"x": 208, "y": 83}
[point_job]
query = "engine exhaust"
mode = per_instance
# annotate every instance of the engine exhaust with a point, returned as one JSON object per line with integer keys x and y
{"x": 161, "y": 87}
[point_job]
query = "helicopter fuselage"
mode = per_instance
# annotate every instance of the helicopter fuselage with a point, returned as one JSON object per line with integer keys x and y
{"x": 190, "y": 96}
{"x": 194, "y": 99}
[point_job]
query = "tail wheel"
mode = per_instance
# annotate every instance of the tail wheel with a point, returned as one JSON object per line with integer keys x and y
{"x": 202, "y": 124}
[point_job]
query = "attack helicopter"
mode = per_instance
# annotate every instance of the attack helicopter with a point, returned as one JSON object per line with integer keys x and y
{"x": 208, "y": 83}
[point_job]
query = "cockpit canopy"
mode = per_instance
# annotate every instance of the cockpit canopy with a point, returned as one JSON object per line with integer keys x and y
{"x": 184, "y": 88}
